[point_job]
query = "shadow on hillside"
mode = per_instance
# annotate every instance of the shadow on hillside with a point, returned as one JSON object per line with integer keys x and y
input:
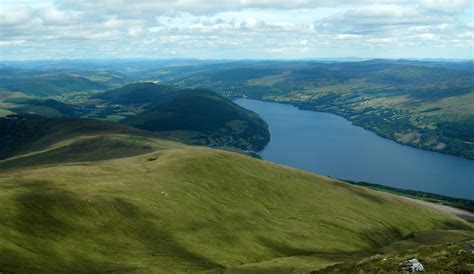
{"x": 160, "y": 242}
{"x": 93, "y": 149}
{"x": 92, "y": 234}
{"x": 286, "y": 250}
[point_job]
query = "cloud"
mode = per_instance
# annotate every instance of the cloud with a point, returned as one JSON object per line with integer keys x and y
{"x": 427, "y": 36}
{"x": 232, "y": 28}
{"x": 196, "y": 6}
{"x": 348, "y": 36}
{"x": 276, "y": 50}
{"x": 12, "y": 43}
{"x": 53, "y": 16}
{"x": 447, "y": 6}
{"x": 14, "y": 16}
{"x": 380, "y": 18}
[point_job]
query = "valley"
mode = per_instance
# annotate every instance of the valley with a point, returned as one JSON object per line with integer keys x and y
{"x": 236, "y": 136}
{"x": 424, "y": 104}
{"x": 137, "y": 166}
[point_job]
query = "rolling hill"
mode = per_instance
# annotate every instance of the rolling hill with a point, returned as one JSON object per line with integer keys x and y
{"x": 197, "y": 116}
{"x": 48, "y": 85}
{"x": 43, "y": 107}
{"x": 426, "y": 104}
{"x": 92, "y": 196}
{"x": 23, "y": 133}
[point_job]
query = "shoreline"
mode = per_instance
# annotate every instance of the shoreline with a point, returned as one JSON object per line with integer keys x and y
{"x": 299, "y": 107}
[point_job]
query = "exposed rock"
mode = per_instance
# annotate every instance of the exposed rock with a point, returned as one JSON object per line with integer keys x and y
{"x": 412, "y": 265}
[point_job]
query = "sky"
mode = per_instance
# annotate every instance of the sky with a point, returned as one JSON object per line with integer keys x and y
{"x": 235, "y": 29}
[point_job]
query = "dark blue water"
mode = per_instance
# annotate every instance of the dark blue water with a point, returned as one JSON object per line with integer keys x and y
{"x": 330, "y": 145}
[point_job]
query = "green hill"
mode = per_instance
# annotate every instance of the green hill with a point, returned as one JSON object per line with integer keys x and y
{"x": 91, "y": 196}
{"x": 51, "y": 85}
{"x": 42, "y": 107}
{"x": 139, "y": 93}
{"x": 197, "y": 116}
{"x": 26, "y": 133}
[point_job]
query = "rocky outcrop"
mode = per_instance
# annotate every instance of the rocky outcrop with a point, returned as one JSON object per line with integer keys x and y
{"x": 412, "y": 265}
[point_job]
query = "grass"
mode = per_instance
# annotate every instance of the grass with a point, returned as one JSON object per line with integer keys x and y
{"x": 438, "y": 251}
{"x": 176, "y": 208}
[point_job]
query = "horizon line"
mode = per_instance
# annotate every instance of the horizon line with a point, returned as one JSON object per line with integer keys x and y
{"x": 344, "y": 58}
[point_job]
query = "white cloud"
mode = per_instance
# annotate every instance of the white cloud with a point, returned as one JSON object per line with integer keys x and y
{"x": 427, "y": 36}
{"x": 12, "y": 43}
{"x": 134, "y": 31}
{"x": 52, "y": 15}
{"x": 380, "y": 18}
{"x": 197, "y": 6}
{"x": 14, "y": 16}
{"x": 233, "y": 28}
{"x": 381, "y": 41}
{"x": 250, "y": 22}
{"x": 276, "y": 50}
{"x": 383, "y": 11}
{"x": 348, "y": 36}
{"x": 447, "y": 6}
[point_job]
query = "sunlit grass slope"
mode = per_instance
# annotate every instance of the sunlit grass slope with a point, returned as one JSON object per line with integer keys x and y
{"x": 164, "y": 206}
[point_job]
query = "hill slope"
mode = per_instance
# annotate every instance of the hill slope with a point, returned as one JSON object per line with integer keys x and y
{"x": 197, "y": 116}
{"x": 45, "y": 108}
{"x": 26, "y": 133}
{"x": 53, "y": 85}
{"x": 164, "y": 206}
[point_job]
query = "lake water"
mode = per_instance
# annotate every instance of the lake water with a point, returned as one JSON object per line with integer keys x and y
{"x": 330, "y": 145}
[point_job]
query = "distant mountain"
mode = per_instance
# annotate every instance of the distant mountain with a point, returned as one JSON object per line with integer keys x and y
{"x": 93, "y": 197}
{"x": 197, "y": 116}
{"x": 42, "y": 107}
{"x": 53, "y": 85}
{"x": 139, "y": 94}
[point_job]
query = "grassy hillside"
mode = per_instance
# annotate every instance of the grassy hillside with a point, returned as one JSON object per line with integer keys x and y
{"x": 197, "y": 116}
{"x": 96, "y": 198}
{"x": 48, "y": 85}
{"x": 25, "y": 133}
{"x": 441, "y": 252}
{"x": 438, "y": 251}
{"x": 42, "y": 107}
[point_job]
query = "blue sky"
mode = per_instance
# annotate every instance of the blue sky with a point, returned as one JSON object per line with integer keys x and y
{"x": 236, "y": 29}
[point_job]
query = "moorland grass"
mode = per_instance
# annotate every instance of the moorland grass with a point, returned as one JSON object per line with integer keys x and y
{"x": 175, "y": 208}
